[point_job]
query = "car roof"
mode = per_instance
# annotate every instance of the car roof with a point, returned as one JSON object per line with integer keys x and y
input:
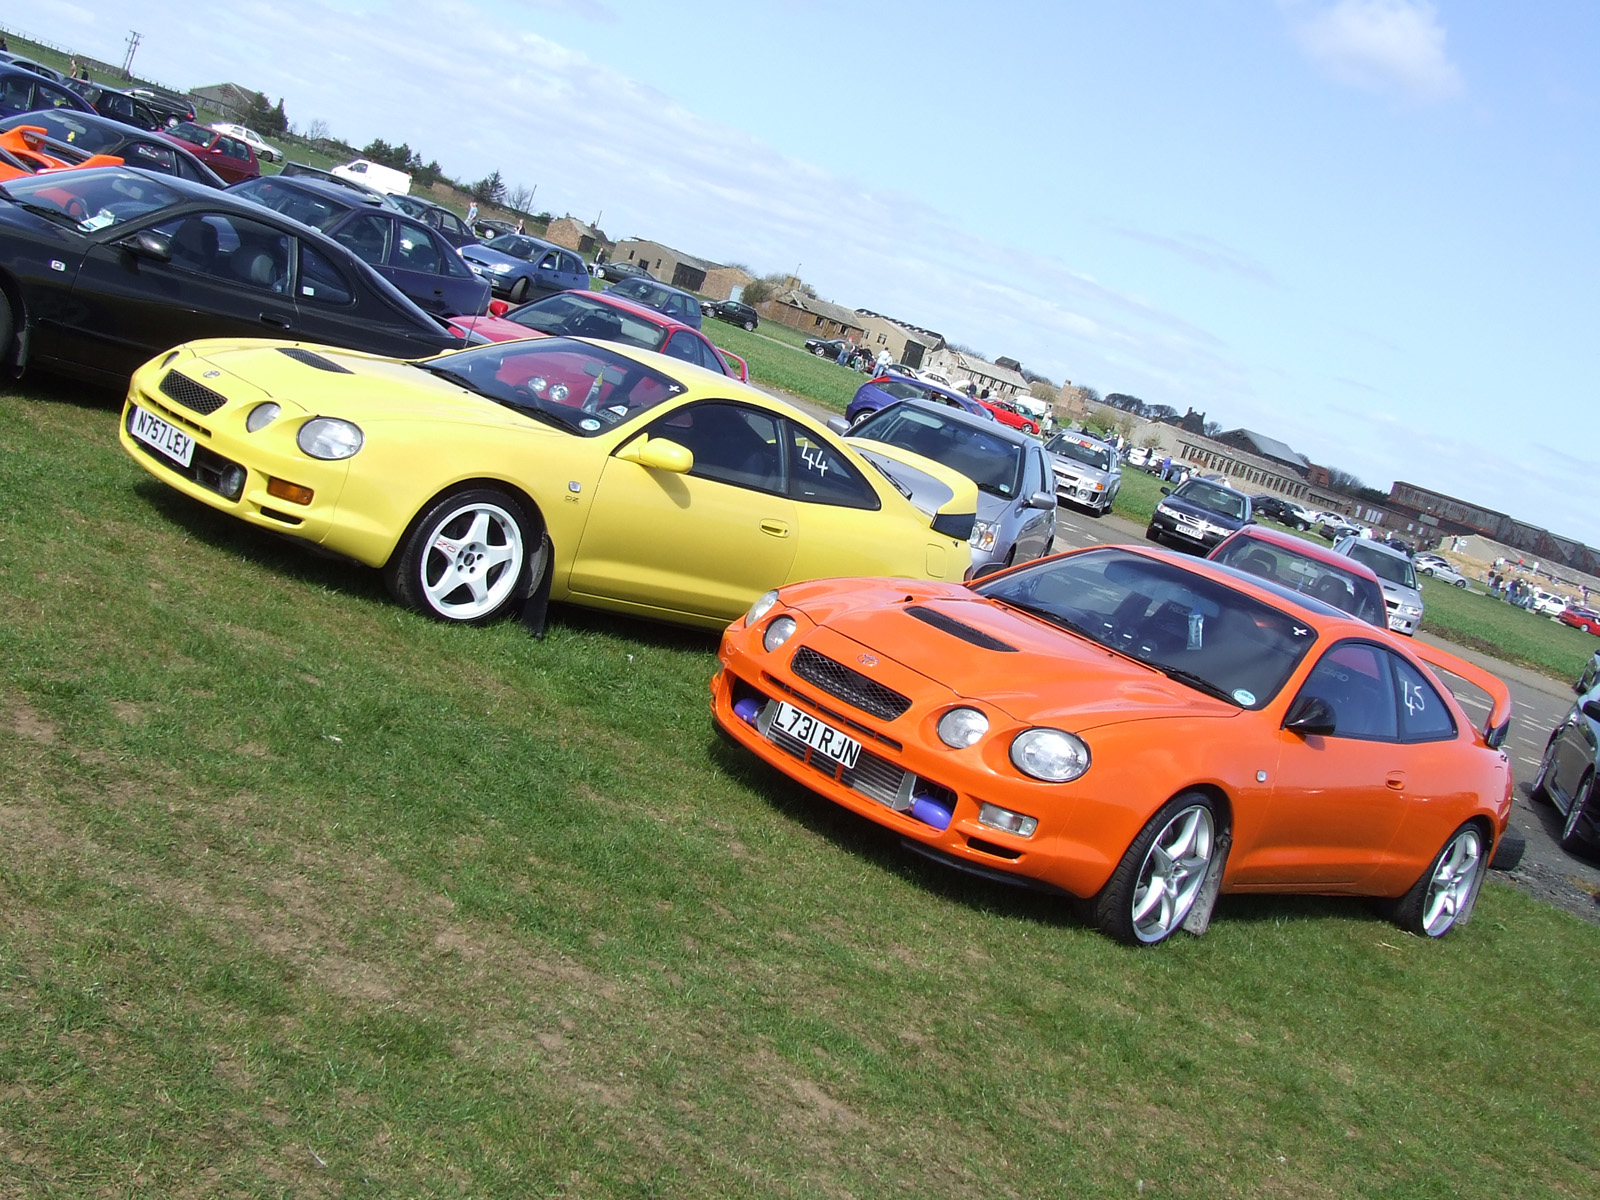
{"x": 319, "y": 187}
{"x": 919, "y": 382}
{"x": 540, "y": 242}
{"x": 1298, "y": 545}
{"x": 960, "y": 416}
{"x": 1383, "y": 549}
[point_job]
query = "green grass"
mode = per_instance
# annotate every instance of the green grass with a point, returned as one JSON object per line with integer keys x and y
{"x": 782, "y": 333}
{"x": 1507, "y": 632}
{"x": 780, "y": 365}
{"x": 1138, "y": 496}
{"x": 304, "y": 895}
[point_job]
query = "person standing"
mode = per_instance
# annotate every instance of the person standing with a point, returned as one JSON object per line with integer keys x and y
{"x": 472, "y": 213}
{"x": 883, "y": 360}
{"x": 845, "y": 347}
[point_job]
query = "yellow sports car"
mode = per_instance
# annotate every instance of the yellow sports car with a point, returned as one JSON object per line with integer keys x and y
{"x": 487, "y": 478}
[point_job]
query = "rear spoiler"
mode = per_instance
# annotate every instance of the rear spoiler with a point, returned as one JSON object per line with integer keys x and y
{"x": 1498, "y": 723}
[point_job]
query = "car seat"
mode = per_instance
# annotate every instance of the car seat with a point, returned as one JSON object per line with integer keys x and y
{"x": 1330, "y": 589}
{"x": 194, "y": 245}
{"x": 1259, "y": 562}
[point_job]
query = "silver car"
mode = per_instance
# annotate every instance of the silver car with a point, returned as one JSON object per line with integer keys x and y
{"x": 1016, "y": 504}
{"x": 1087, "y": 471}
{"x": 1401, "y": 594}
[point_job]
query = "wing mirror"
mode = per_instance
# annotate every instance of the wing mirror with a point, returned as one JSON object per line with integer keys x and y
{"x": 838, "y": 425}
{"x": 1044, "y": 500}
{"x": 659, "y": 454}
{"x": 1309, "y": 715}
{"x": 1166, "y": 491}
{"x": 147, "y": 243}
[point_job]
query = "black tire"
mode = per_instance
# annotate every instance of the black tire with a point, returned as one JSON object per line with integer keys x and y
{"x": 1151, "y": 533}
{"x": 1460, "y": 583}
{"x": 1537, "y": 789}
{"x": 417, "y": 573}
{"x": 8, "y": 329}
{"x": 820, "y": 352}
{"x": 749, "y": 325}
{"x": 1190, "y": 818}
{"x": 519, "y": 290}
{"x": 1571, "y": 839}
{"x": 1444, "y": 894}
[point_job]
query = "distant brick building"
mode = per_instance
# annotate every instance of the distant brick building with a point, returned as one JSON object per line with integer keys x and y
{"x": 1000, "y": 380}
{"x": 908, "y": 344}
{"x": 811, "y": 316}
{"x": 572, "y": 233}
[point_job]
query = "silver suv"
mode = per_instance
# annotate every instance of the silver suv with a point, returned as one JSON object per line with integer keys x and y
{"x": 1087, "y": 470}
{"x": 1401, "y": 594}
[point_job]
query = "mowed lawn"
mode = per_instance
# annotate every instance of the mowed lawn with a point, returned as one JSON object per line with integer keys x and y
{"x": 302, "y": 895}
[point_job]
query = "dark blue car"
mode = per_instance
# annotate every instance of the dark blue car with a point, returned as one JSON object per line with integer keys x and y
{"x": 520, "y": 267}
{"x": 886, "y": 389}
{"x": 23, "y": 91}
{"x": 679, "y": 305}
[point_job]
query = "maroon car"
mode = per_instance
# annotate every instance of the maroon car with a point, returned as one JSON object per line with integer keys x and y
{"x": 606, "y": 317}
{"x": 1305, "y": 567}
{"x": 1580, "y": 617}
{"x": 229, "y": 157}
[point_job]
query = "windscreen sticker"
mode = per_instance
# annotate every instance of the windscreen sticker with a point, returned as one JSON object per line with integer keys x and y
{"x": 1244, "y": 696}
{"x": 589, "y": 423}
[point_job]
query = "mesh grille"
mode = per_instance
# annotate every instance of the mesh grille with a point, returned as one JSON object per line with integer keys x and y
{"x": 193, "y": 396}
{"x": 310, "y": 359}
{"x": 872, "y": 776}
{"x": 850, "y": 686}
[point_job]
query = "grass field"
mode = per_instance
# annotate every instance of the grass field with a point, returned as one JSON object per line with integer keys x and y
{"x": 303, "y": 895}
{"x": 785, "y": 368}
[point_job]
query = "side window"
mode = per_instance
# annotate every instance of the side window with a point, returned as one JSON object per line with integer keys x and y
{"x": 571, "y": 264}
{"x": 232, "y": 249}
{"x": 367, "y": 237}
{"x": 709, "y": 357}
{"x": 415, "y": 251}
{"x": 1355, "y": 680}
{"x": 820, "y": 474}
{"x": 320, "y": 281}
{"x": 1032, "y": 474}
{"x": 549, "y": 261}
{"x": 47, "y": 96}
{"x": 454, "y": 264}
{"x": 1424, "y": 717}
{"x": 150, "y": 157}
{"x": 16, "y": 93}
{"x": 684, "y": 346}
{"x": 730, "y": 443}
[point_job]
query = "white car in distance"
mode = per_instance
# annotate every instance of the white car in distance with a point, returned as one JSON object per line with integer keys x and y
{"x": 255, "y": 140}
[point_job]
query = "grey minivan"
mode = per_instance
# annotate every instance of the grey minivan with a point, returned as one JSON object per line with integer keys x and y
{"x": 1016, "y": 498}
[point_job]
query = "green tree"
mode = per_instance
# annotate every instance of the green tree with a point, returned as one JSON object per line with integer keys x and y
{"x": 491, "y": 189}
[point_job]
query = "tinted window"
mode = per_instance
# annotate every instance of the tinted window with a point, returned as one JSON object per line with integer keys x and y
{"x": 571, "y": 264}
{"x": 415, "y": 251}
{"x": 320, "y": 281}
{"x": 1424, "y": 717}
{"x": 822, "y": 475}
{"x": 367, "y": 237}
{"x": 49, "y": 96}
{"x": 900, "y": 390}
{"x": 685, "y": 347}
{"x": 229, "y": 248}
{"x": 63, "y": 126}
{"x": 95, "y": 199}
{"x": 16, "y": 93}
{"x": 730, "y": 443}
{"x": 307, "y": 207}
{"x": 193, "y": 134}
{"x": 151, "y": 157}
{"x": 1354, "y": 680}
{"x": 709, "y": 357}
{"x": 986, "y": 458}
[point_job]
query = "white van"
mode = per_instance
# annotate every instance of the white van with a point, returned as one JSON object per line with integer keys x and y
{"x": 375, "y": 175}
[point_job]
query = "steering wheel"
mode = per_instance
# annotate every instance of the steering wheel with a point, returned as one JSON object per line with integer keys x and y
{"x": 77, "y": 209}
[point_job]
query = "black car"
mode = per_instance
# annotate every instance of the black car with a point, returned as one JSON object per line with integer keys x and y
{"x": 826, "y": 347}
{"x": 171, "y": 109}
{"x": 23, "y": 91}
{"x": 1277, "y": 509}
{"x": 416, "y": 259}
{"x": 102, "y": 269}
{"x": 735, "y": 313}
{"x": 81, "y": 133}
{"x": 122, "y": 107}
{"x": 1571, "y": 765}
{"x": 616, "y": 271}
{"x": 1199, "y": 514}
{"x": 436, "y": 216}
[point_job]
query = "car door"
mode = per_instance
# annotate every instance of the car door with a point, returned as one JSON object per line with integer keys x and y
{"x": 547, "y": 277}
{"x": 706, "y": 542}
{"x": 575, "y": 276}
{"x": 416, "y": 265}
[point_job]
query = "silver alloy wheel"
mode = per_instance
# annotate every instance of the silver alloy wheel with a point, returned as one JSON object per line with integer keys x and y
{"x": 1455, "y": 876}
{"x": 1580, "y": 799}
{"x": 473, "y": 559}
{"x": 1541, "y": 781}
{"x": 1172, "y": 873}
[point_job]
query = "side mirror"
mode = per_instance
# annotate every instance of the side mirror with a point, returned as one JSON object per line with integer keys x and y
{"x": 147, "y": 243}
{"x": 838, "y": 425}
{"x": 1309, "y": 715}
{"x": 1044, "y": 500}
{"x": 658, "y": 454}
{"x": 1166, "y": 491}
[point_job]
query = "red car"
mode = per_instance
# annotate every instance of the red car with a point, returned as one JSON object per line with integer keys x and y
{"x": 1585, "y": 619}
{"x": 230, "y": 157}
{"x": 1307, "y": 568}
{"x": 1006, "y": 413}
{"x": 606, "y": 317}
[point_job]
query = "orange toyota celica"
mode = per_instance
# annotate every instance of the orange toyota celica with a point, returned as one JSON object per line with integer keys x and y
{"x": 26, "y": 150}
{"x": 1133, "y": 728}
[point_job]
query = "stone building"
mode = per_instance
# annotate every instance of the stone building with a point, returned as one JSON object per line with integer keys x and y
{"x": 908, "y": 344}
{"x": 812, "y": 316}
{"x": 1000, "y": 380}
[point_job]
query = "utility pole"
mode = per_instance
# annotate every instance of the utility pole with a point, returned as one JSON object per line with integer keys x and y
{"x": 134, "y": 37}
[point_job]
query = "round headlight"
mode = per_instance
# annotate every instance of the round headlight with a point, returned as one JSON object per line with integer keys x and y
{"x": 761, "y": 607}
{"x": 261, "y": 416}
{"x": 329, "y": 438}
{"x": 962, "y": 727}
{"x": 779, "y": 632}
{"x": 1049, "y": 754}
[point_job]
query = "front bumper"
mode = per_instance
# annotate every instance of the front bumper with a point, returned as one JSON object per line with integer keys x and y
{"x": 1399, "y": 622}
{"x": 1184, "y": 532}
{"x": 1086, "y": 492}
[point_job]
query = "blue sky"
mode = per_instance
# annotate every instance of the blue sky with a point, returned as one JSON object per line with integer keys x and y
{"x": 1366, "y": 227}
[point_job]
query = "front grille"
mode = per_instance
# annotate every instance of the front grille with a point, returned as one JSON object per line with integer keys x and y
{"x": 848, "y": 685}
{"x": 876, "y": 778}
{"x": 193, "y": 396}
{"x": 310, "y": 359}
{"x": 205, "y": 468}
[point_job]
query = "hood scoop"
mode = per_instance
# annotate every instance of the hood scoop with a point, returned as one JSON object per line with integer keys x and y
{"x": 970, "y": 634}
{"x": 310, "y": 359}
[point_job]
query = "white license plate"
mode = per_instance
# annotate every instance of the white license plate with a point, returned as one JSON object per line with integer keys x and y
{"x": 824, "y": 739}
{"x": 1192, "y": 531}
{"x": 153, "y": 431}
{"x": 1397, "y": 622}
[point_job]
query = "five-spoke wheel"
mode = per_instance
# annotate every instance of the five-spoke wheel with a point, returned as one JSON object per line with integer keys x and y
{"x": 1447, "y": 890}
{"x": 464, "y": 557}
{"x": 1149, "y": 895}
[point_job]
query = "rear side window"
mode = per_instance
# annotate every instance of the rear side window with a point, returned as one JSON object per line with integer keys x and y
{"x": 819, "y": 474}
{"x": 415, "y": 251}
{"x": 1355, "y": 681}
{"x": 320, "y": 281}
{"x": 49, "y": 96}
{"x": 1423, "y": 714}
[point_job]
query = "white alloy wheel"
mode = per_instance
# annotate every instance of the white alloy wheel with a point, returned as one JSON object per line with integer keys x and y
{"x": 1453, "y": 881}
{"x": 471, "y": 559}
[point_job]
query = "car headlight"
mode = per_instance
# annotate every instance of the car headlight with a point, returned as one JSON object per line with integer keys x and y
{"x": 1165, "y": 511}
{"x": 1411, "y": 610}
{"x": 962, "y": 727}
{"x": 779, "y": 632}
{"x": 983, "y": 535}
{"x": 329, "y": 438}
{"x": 761, "y": 607}
{"x": 499, "y": 268}
{"x": 261, "y": 416}
{"x": 1049, "y": 754}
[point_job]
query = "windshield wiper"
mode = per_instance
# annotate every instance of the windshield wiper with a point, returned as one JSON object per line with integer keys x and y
{"x": 898, "y": 486}
{"x": 1198, "y": 682}
{"x": 41, "y": 210}
{"x": 1044, "y": 614}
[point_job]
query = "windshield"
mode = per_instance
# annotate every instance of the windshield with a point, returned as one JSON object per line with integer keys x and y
{"x": 194, "y": 134}
{"x": 1199, "y": 631}
{"x": 515, "y": 245}
{"x": 319, "y": 212}
{"x": 990, "y": 461}
{"x": 1344, "y": 590}
{"x": 576, "y": 314}
{"x": 585, "y": 389}
{"x": 69, "y": 127}
{"x": 1089, "y": 453}
{"x": 95, "y": 199}
{"x": 1210, "y": 496}
{"x": 1388, "y": 567}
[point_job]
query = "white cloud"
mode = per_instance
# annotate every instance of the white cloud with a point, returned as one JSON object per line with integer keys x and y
{"x": 1382, "y": 45}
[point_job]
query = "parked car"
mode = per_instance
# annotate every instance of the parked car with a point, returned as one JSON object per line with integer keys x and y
{"x": 26, "y": 150}
{"x": 229, "y": 157}
{"x": 1579, "y": 617}
{"x": 1334, "y": 526}
{"x": 673, "y": 301}
{"x": 614, "y": 478}
{"x": 1198, "y": 514}
{"x": 1276, "y": 508}
{"x": 1016, "y": 504}
{"x": 101, "y": 269}
{"x": 489, "y": 228}
{"x": 22, "y": 63}
{"x": 606, "y": 317}
{"x": 1007, "y": 414}
{"x": 1401, "y": 595}
{"x": 886, "y": 389}
{"x": 1547, "y": 603}
{"x": 1569, "y": 770}
{"x": 305, "y": 170}
{"x": 615, "y": 272}
{"x": 171, "y": 109}
{"x": 827, "y": 347}
{"x": 520, "y": 267}
{"x": 264, "y": 151}
{"x": 1427, "y": 560}
{"x": 1440, "y": 570}
{"x": 1094, "y": 724}
{"x": 78, "y": 133}
{"x": 23, "y": 90}
{"x": 414, "y": 258}
{"x": 437, "y": 216}
{"x": 1306, "y": 569}
{"x": 1589, "y": 677}
{"x": 376, "y": 176}
{"x": 735, "y": 312}
{"x": 123, "y": 107}
{"x": 1085, "y": 469}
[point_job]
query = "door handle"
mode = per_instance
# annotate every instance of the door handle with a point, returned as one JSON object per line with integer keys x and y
{"x": 775, "y": 528}
{"x": 275, "y": 321}
{"x": 1396, "y": 781}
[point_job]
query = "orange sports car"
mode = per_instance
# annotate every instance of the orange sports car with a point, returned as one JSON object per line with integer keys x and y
{"x": 26, "y": 150}
{"x": 1134, "y": 728}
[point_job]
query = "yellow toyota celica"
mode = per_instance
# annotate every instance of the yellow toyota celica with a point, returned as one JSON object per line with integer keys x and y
{"x": 485, "y": 479}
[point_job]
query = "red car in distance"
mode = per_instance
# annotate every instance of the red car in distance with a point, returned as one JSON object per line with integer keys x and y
{"x": 1582, "y": 618}
{"x": 605, "y": 317}
{"x": 232, "y": 158}
{"x": 1006, "y": 413}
